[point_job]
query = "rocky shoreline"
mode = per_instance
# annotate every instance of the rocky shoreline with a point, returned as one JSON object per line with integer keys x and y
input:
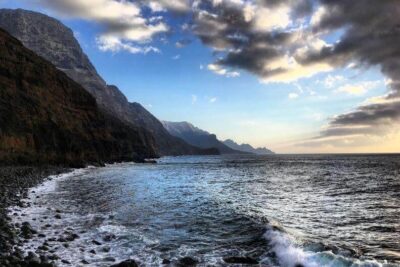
{"x": 14, "y": 184}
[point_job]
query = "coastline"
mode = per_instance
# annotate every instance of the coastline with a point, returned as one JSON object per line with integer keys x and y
{"x": 15, "y": 181}
{"x": 19, "y": 187}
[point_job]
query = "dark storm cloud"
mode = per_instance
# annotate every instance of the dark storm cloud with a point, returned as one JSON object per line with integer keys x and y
{"x": 373, "y": 114}
{"x": 372, "y": 38}
{"x": 225, "y": 27}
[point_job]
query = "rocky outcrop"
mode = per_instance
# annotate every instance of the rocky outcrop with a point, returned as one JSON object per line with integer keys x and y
{"x": 53, "y": 41}
{"x": 46, "y": 117}
{"x": 248, "y": 148}
{"x": 197, "y": 137}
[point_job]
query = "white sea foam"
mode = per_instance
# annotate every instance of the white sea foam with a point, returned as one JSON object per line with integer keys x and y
{"x": 291, "y": 254}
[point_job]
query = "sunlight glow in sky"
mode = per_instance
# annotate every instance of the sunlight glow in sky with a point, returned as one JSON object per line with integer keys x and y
{"x": 300, "y": 76}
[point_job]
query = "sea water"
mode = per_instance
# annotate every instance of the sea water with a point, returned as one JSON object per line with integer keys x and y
{"x": 281, "y": 210}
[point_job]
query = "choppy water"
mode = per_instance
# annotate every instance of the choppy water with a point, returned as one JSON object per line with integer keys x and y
{"x": 315, "y": 210}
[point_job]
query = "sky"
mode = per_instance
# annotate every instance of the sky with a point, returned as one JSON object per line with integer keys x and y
{"x": 296, "y": 76}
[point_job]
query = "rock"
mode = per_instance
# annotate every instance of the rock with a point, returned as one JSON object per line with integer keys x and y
{"x": 166, "y": 261}
{"x": 109, "y": 237}
{"x": 127, "y": 263}
{"x": 65, "y": 262}
{"x": 92, "y": 251}
{"x": 43, "y": 247}
{"x": 96, "y": 242}
{"x": 240, "y": 260}
{"x": 53, "y": 257}
{"x": 61, "y": 239}
{"x": 188, "y": 261}
{"x": 57, "y": 216}
{"x": 84, "y": 261}
{"x": 44, "y": 259}
{"x": 32, "y": 258}
{"x": 71, "y": 236}
{"x": 105, "y": 249}
{"x": 26, "y": 230}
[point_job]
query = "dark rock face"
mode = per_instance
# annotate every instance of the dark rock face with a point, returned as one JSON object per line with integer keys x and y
{"x": 197, "y": 137}
{"x": 53, "y": 41}
{"x": 45, "y": 117}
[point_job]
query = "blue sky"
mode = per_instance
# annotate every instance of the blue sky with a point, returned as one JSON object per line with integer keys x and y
{"x": 175, "y": 84}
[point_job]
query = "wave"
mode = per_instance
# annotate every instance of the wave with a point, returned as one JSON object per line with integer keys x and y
{"x": 291, "y": 254}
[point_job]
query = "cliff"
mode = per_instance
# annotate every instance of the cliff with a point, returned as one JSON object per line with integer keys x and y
{"x": 52, "y": 40}
{"x": 46, "y": 117}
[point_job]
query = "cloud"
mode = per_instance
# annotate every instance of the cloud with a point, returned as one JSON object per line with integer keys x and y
{"x": 293, "y": 96}
{"x": 114, "y": 44}
{"x": 213, "y": 100}
{"x": 182, "y": 43}
{"x": 332, "y": 80}
{"x": 221, "y": 71}
{"x": 122, "y": 22}
{"x": 370, "y": 38}
{"x": 367, "y": 35}
{"x": 358, "y": 88}
{"x": 174, "y": 5}
{"x": 176, "y": 57}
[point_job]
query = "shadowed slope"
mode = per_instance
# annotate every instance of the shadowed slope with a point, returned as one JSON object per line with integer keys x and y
{"x": 55, "y": 42}
{"x": 45, "y": 117}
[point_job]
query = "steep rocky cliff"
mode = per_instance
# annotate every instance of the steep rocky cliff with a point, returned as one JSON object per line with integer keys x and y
{"x": 46, "y": 117}
{"x": 55, "y": 42}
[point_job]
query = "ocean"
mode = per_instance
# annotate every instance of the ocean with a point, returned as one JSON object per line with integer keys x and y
{"x": 278, "y": 210}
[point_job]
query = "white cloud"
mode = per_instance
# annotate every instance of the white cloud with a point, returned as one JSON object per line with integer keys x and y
{"x": 293, "y": 71}
{"x": 122, "y": 22}
{"x": 317, "y": 16}
{"x": 174, "y": 5}
{"x": 114, "y": 44}
{"x": 222, "y": 71}
{"x": 332, "y": 80}
{"x": 176, "y": 57}
{"x": 213, "y": 100}
{"x": 293, "y": 95}
{"x": 358, "y": 88}
{"x": 266, "y": 19}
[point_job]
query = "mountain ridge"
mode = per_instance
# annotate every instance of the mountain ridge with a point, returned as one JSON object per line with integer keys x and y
{"x": 248, "y": 148}
{"x": 197, "y": 137}
{"x": 47, "y": 118}
{"x": 55, "y": 42}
